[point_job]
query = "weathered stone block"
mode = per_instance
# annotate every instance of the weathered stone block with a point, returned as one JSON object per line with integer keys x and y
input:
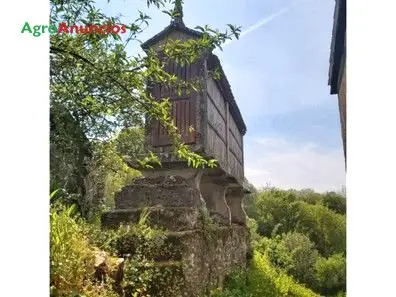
{"x": 171, "y": 191}
{"x": 209, "y": 255}
{"x": 171, "y": 218}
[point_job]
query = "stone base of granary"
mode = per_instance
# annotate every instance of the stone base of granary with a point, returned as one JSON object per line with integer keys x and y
{"x": 200, "y": 251}
{"x": 209, "y": 255}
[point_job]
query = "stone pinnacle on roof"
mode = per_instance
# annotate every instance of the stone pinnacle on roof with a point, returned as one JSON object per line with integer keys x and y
{"x": 178, "y": 10}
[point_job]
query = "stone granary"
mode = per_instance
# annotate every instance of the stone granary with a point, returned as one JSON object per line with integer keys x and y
{"x": 218, "y": 128}
{"x": 182, "y": 199}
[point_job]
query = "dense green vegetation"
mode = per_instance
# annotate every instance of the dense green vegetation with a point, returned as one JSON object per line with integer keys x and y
{"x": 299, "y": 239}
{"x": 262, "y": 279}
{"x": 77, "y": 244}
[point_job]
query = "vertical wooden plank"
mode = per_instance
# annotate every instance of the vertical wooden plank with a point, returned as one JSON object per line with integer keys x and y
{"x": 194, "y": 70}
{"x": 188, "y": 120}
{"x": 174, "y": 113}
{"x": 156, "y": 132}
{"x": 179, "y": 116}
{"x": 182, "y": 118}
{"x": 227, "y": 136}
{"x": 154, "y": 136}
{"x": 192, "y": 119}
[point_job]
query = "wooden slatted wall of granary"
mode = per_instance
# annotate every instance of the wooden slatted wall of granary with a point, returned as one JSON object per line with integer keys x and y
{"x": 224, "y": 141}
{"x": 183, "y": 106}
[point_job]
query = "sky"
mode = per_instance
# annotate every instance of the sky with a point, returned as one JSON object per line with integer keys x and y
{"x": 278, "y": 71}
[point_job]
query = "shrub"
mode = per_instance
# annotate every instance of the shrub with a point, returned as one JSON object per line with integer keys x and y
{"x": 72, "y": 258}
{"x": 303, "y": 255}
{"x": 263, "y": 280}
{"x": 335, "y": 202}
{"x": 281, "y": 212}
{"x": 276, "y": 251}
{"x": 141, "y": 245}
{"x": 324, "y": 227}
{"x": 252, "y": 225}
{"x": 75, "y": 243}
{"x": 294, "y": 253}
{"x": 331, "y": 274}
{"x": 309, "y": 196}
{"x": 275, "y": 212}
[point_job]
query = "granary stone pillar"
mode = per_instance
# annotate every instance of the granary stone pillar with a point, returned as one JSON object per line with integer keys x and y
{"x": 234, "y": 198}
{"x": 213, "y": 191}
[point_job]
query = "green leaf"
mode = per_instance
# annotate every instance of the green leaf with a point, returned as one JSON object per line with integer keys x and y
{"x": 53, "y": 193}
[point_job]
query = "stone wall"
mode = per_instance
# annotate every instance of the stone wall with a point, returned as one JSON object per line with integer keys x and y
{"x": 201, "y": 251}
{"x": 209, "y": 255}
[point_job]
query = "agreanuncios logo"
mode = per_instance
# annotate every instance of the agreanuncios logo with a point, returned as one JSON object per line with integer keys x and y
{"x": 63, "y": 28}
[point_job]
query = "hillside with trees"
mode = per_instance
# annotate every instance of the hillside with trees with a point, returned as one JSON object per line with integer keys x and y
{"x": 296, "y": 234}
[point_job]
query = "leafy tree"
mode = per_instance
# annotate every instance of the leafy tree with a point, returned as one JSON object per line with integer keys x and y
{"x": 293, "y": 253}
{"x": 276, "y": 252}
{"x": 304, "y": 256}
{"x": 275, "y": 212}
{"x": 309, "y": 196}
{"x": 108, "y": 174}
{"x": 70, "y": 151}
{"x": 324, "y": 227}
{"x": 129, "y": 143}
{"x": 331, "y": 274}
{"x": 335, "y": 202}
{"x": 281, "y": 212}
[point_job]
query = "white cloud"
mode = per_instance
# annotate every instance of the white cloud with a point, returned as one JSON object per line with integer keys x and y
{"x": 285, "y": 164}
{"x": 264, "y": 21}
